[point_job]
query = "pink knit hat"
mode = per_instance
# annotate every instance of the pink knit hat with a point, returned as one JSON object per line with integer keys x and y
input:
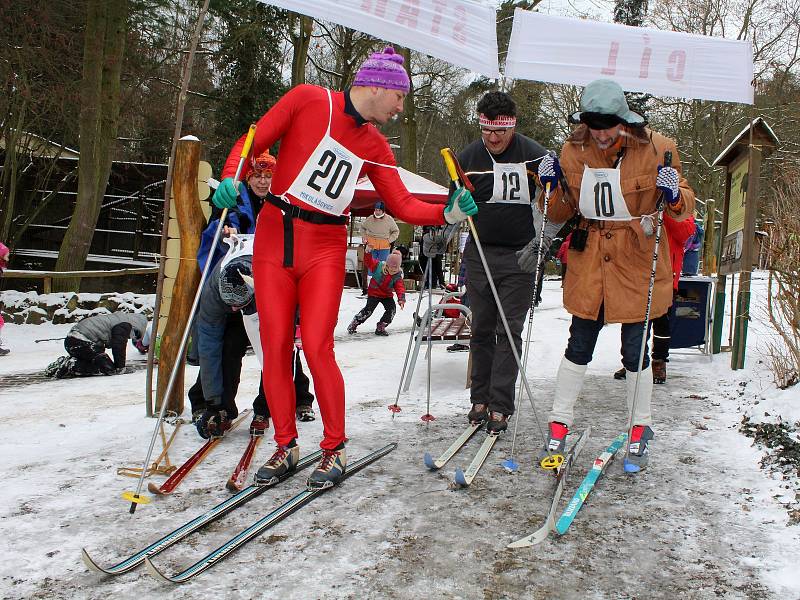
{"x": 383, "y": 69}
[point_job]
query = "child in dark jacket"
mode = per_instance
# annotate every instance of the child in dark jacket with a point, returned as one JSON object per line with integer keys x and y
{"x": 387, "y": 276}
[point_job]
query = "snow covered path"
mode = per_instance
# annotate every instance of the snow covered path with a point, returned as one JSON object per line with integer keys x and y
{"x": 702, "y": 522}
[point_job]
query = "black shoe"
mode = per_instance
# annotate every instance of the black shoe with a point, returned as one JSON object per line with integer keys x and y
{"x": 380, "y": 329}
{"x": 458, "y": 348}
{"x": 479, "y": 413}
{"x": 304, "y": 413}
{"x": 498, "y": 423}
{"x": 4, "y": 351}
{"x": 621, "y": 374}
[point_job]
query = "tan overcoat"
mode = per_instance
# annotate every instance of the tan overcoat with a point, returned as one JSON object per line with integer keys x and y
{"x": 614, "y": 269}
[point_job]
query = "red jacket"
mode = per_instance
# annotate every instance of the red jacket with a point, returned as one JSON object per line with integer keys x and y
{"x": 677, "y": 234}
{"x": 381, "y": 284}
{"x": 299, "y": 120}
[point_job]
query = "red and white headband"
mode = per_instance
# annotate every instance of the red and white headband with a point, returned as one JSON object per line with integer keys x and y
{"x": 501, "y": 122}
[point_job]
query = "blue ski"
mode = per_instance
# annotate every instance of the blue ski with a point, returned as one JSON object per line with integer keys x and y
{"x": 600, "y": 464}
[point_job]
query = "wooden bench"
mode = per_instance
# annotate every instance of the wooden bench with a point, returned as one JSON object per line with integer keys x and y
{"x": 443, "y": 330}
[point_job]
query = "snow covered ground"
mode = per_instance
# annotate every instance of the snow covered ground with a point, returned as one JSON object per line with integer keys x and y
{"x": 705, "y": 521}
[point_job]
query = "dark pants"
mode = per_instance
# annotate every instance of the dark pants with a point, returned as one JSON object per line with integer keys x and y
{"x": 583, "y": 337}
{"x": 91, "y": 357}
{"x": 389, "y": 310}
{"x": 494, "y": 370}
{"x": 662, "y": 332}
{"x": 436, "y": 266}
{"x": 234, "y": 347}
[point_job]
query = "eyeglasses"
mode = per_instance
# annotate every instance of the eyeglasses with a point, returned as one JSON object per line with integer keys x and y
{"x": 497, "y": 132}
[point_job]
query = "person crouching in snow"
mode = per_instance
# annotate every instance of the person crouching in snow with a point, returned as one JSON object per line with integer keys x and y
{"x": 387, "y": 276}
{"x": 87, "y": 341}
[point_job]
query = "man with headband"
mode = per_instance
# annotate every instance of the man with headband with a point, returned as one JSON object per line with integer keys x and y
{"x": 502, "y": 166}
{"x": 615, "y": 172}
{"x": 328, "y": 140}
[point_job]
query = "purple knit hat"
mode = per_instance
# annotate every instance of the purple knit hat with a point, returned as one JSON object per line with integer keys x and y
{"x": 383, "y": 69}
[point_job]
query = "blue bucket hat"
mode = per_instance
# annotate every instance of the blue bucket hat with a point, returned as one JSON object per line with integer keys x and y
{"x": 603, "y": 105}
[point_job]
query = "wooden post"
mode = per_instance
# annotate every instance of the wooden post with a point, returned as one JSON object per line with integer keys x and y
{"x": 190, "y": 223}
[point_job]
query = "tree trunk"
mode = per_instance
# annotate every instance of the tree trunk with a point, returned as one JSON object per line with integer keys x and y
{"x": 300, "y": 44}
{"x": 104, "y": 45}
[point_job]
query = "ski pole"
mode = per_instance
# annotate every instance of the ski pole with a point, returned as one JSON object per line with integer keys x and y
{"x": 651, "y": 285}
{"x": 136, "y": 497}
{"x": 510, "y": 464}
{"x": 50, "y": 339}
{"x": 395, "y": 408}
{"x": 428, "y": 417}
{"x": 450, "y": 163}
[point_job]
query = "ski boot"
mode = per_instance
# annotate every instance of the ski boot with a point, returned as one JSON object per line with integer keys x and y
{"x": 659, "y": 371}
{"x": 304, "y": 413}
{"x": 351, "y": 329}
{"x": 283, "y": 461}
{"x": 330, "y": 469}
{"x": 621, "y": 374}
{"x": 498, "y": 423}
{"x": 479, "y": 413}
{"x": 638, "y": 451}
{"x": 380, "y": 329}
{"x": 259, "y": 425}
{"x": 3, "y": 351}
{"x": 556, "y": 442}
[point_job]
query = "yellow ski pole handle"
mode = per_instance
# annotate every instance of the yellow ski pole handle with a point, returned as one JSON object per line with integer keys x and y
{"x": 248, "y": 142}
{"x": 450, "y": 165}
{"x": 552, "y": 462}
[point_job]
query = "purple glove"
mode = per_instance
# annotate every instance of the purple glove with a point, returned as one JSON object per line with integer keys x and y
{"x": 549, "y": 171}
{"x": 667, "y": 182}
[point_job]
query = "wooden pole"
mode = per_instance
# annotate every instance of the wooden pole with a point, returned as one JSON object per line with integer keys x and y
{"x": 190, "y": 223}
{"x": 181, "y": 104}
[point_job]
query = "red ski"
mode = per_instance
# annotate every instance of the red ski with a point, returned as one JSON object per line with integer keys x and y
{"x": 237, "y": 480}
{"x": 170, "y": 484}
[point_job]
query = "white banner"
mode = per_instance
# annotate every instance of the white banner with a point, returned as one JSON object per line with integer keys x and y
{"x": 664, "y": 63}
{"x": 459, "y": 31}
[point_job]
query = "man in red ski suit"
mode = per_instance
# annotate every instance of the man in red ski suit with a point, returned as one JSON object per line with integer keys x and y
{"x": 328, "y": 139}
{"x": 387, "y": 277}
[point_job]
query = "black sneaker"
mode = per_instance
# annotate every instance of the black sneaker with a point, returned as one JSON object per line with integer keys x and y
{"x": 380, "y": 329}
{"x": 458, "y": 348}
{"x": 479, "y": 413}
{"x": 304, "y": 413}
{"x": 498, "y": 423}
{"x": 621, "y": 374}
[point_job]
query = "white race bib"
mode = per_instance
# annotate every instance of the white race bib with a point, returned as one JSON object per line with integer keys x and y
{"x": 601, "y": 196}
{"x": 328, "y": 179}
{"x": 510, "y": 184}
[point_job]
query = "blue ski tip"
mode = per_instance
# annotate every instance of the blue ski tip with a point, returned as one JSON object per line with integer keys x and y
{"x": 630, "y": 467}
{"x": 510, "y": 465}
{"x": 429, "y": 461}
{"x": 460, "y": 480}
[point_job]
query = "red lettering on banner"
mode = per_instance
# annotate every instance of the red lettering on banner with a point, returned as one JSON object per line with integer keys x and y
{"x": 409, "y": 12}
{"x": 438, "y": 7}
{"x": 459, "y": 29}
{"x": 644, "y": 65}
{"x": 611, "y": 68}
{"x": 678, "y": 59}
{"x": 380, "y": 7}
